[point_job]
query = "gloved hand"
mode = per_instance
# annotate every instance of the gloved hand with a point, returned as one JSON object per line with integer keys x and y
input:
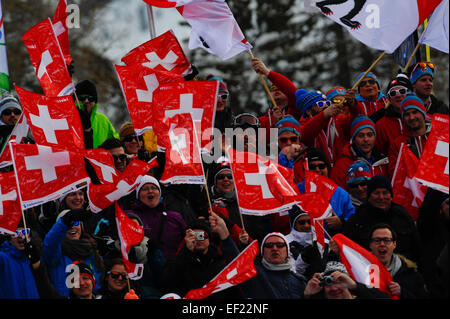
{"x": 32, "y": 252}
{"x": 296, "y": 248}
{"x": 71, "y": 68}
{"x": 191, "y": 75}
{"x": 143, "y": 155}
{"x": 311, "y": 254}
{"x": 75, "y": 215}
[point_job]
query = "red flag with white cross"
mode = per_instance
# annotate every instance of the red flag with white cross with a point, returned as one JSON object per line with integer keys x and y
{"x": 241, "y": 269}
{"x": 54, "y": 121}
{"x": 176, "y": 135}
{"x": 138, "y": 84}
{"x": 18, "y": 135}
{"x": 103, "y": 163}
{"x": 61, "y": 30}
{"x": 102, "y": 196}
{"x": 10, "y": 210}
{"x": 130, "y": 234}
{"x": 163, "y": 53}
{"x": 262, "y": 186}
{"x": 48, "y": 59}
{"x": 46, "y": 173}
{"x": 197, "y": 98}
{"x": 407, "y": 190}
{"x": 433, "y": 168}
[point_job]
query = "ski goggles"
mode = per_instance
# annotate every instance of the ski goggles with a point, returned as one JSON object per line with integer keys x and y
{"x": 423, "y": 66}
{"x": 246, "y": 119}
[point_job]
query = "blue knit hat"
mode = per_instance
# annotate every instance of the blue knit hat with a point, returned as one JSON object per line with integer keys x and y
{"x": 420, "y": 71}
{"x": 368, "y": 75}
{"x": 358, "y": 171}
{"x": 306, "y": 100}
{"x": 288, "y": 123}
{"x": 337, "y": 91}
{"x": 359, "y": 123}
{"x": 411, "y": 101}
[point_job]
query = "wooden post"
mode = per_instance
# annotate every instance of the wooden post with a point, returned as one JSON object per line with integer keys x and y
{"x": 368, "y": 70}
{"x": 264, "y": 83}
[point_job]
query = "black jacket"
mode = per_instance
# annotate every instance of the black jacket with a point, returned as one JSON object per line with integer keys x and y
{"x": 410, "y": 280}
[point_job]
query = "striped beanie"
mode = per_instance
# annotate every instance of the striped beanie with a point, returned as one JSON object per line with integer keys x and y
{"x": 306, "y": 100}
{"x": 359, "y": 123}
{"x": 358, "y": 171}
{"x": 288, "y": 123}
{"x": 337, "y": 91}
{"x": 222, "y": 85}
{"x": 411, "y": 101}
{"x": 8, "y": 100}
{"x": 368, "y": 75}
{"x": 419, "y": 72}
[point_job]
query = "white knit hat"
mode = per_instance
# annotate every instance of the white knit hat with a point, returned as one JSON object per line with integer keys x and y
{"x": 279, "y": 235}
{"x": 145, "y": 180}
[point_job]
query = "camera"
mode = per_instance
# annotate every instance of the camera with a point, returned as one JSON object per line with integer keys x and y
{"x": 326, "y": 281}
{"x": 199, "y": 235}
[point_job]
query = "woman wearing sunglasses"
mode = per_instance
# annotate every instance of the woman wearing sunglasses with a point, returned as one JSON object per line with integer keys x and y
{"x": 115, "y": 281}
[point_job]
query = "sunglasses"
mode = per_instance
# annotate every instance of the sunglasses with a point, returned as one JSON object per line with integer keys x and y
{"x": 393, "y": 92}
{"x": 121, "y": 157}
{"x": 9, "y": 112}
{"x": 364, "y": 83}
{"x": 293, "y": 139}
{"x": 222, "y": 176}
{"x": 246, "y": 119}
{"x": 117, "y": 275}
{"x": 323, "y": 103}
{"x": 224, "y": 97}
{"x": 89, "y": 97}
{"x": 314, "y": 166}
{"x": 384, "y": 240}
{"x": 337, "y": 100}
{"x": 130, "y": 138}
{"x": 355, "y": 185}
{"x": 303, "y": 221}
{"x": 271, "y": 245}
{"x": 22, "y": 233}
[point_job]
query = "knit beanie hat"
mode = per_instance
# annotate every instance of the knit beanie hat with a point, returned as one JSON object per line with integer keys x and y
{"x": 200, "y": 224}
{"x": 134, "y": 216}
{"x": 222, "y": 86}
{"x": 223, "y": 166}
{"x": 288, "y": 123}
{"x": 400, "y": 80}
{"x": 306, "y": 100}
{"x": 145, "y": 180}
{"x": 316, "y": 154}
{"x": 368, "y": 75}
{"x": 420, "y": 71}
{"x": 278, "y": 235}
{"x": 359, "y": 123}
{"x": 358, "y": 171}
{"x": 379, "y": 181}
{"x": 337, "y": 91}
{"x": 7, "y": 101}
{"x": 333, "y": 266}
{"x": 86, "y": 87}
{"x": 83, "y": 269}
{"x": 411, "y": 101}
{"x": 294, "y": 213}
{"x": 126, "y": 129}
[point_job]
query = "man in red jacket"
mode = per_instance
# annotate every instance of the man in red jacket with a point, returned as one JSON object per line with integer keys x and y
{"x": 369, "y": 97}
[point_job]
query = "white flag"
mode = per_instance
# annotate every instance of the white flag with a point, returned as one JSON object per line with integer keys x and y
{"x": 436, "y": 32}
{"x": 4, "y": 72}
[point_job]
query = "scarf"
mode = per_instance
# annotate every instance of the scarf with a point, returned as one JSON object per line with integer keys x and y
{"x": 279, "y": 267}
{"x": 302, "y": 238}
{"x": 395, "y": 265}
{"x": 77, "y": 249}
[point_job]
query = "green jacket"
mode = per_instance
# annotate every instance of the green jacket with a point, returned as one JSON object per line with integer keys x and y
{"x": 101, "y": 126}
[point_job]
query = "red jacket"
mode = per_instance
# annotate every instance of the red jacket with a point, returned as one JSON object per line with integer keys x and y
{"x": 388, "y": 128}
{"x": 367, "y": 108}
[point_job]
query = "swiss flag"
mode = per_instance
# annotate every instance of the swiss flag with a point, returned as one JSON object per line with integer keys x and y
{"x": 103, "y": 163}
{"x": 130, "y": 234}
{"x": 362, "y": 265}
{"x": 408, "y": 192}
{"x": 48, "y": 59}
{"x": 262, "y": 186}
{"x": 172, "y": 3}
{"x": 318, "y": 192}
{"x": 104, "y": 195}
{"x": 46, "y": 173}
{"x": 177, "y": 137}
{"x": 433, "y": 166}
{"x": 10, "y": 210}
{"x": 381, "y": 25}
{"x": 163, "y": 53}
{"x": 238, "y": 271}
{"x": 54, "y": 121}
{"x": 61, "y": 30}
{"x": 18, "y": 135}
{"x": 197, "y": 98}
{"x": 139, "y": 84}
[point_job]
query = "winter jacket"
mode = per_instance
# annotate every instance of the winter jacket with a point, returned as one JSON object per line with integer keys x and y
{"x": 410, "y": 280}
{"x": 368, "y": 108}
{"x": 436, "y": 106}
{"x": 358, "y": 226}
{"x": 378, "y": 163}
{"x": 273, "y": 284}
{"x": 388, "y": 128}
{"x": 101, "y": 126}
{"x": 165, "y": 228}
{"x": 16, "y": 277}
{"x": 56, "y": 262}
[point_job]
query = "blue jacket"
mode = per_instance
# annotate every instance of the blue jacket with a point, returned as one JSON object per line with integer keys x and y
{"x": 57, "y": 262}
{"x": 16, "y": 278}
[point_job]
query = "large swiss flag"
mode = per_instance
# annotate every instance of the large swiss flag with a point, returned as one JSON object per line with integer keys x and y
{"x": 10, "y": 210}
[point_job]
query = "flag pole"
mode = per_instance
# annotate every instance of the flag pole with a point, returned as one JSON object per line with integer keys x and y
{"x": 151, "y": 21}
{"x": 427, "y": 47}
{"x": 264, "y": 83}
{"x": 207, "y": 191}
{"x": 324, "y": 230}
{"x": 411, "y": 57}
{"x": 368, "y": 70}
